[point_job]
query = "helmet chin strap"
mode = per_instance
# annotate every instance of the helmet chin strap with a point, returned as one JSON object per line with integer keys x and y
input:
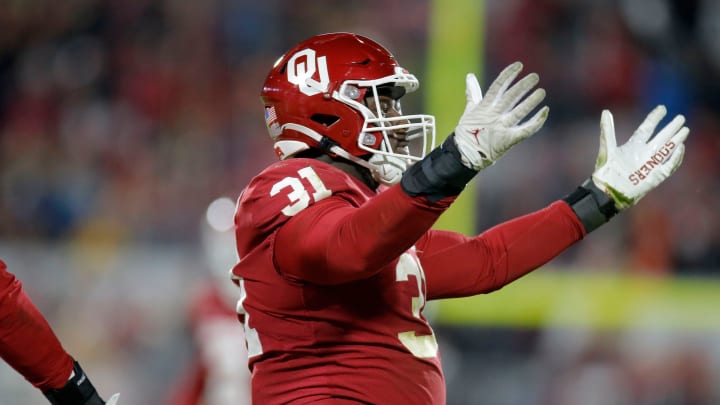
{"x": 387, "y": 170}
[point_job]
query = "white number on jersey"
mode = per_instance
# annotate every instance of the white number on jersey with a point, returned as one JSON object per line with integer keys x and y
{"x": 424, "y": 345}
{"x": 300, "y": 197}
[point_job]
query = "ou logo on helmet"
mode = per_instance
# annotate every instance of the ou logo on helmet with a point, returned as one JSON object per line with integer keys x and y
{"x": 302, "y": 67}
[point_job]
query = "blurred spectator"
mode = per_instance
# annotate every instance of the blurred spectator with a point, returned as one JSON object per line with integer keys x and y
{"x": 218, "y": 373}
{"x": 119, "y": 117}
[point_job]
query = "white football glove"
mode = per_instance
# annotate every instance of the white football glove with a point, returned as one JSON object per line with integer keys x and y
{"x": 490, "y": 126}
{"x": 628, "y": 172}
{"x": 113, "y": 400}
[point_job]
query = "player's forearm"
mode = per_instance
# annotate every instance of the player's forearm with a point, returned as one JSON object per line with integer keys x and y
{"x": 27, "y": 342}
{"x": 528, "y": 242}
{"x": 503, "y": 253}
{"x": 385, "y": 227}
{"x": 337, "y": 243}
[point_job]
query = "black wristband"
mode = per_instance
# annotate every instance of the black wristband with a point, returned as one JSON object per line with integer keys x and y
{"x": 78, "y": 391}
{"x": 591, "y": 205}
{"x": 439, "y": 175}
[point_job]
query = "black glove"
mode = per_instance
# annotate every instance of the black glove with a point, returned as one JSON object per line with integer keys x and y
{"x": 78, "y": 391}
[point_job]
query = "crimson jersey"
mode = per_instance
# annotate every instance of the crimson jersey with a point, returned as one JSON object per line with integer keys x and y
{"x": 335, "y": 277}
{"x": 27, "y": 342}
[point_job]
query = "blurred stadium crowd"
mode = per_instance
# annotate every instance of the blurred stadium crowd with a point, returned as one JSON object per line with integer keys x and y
{"x": 121, "y": 120}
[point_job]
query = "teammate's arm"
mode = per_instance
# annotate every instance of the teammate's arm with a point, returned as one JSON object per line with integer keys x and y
{"x": 28, "y": 344}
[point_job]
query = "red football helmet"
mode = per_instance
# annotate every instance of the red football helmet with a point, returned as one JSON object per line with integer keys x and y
{"x": 315, "y": 97}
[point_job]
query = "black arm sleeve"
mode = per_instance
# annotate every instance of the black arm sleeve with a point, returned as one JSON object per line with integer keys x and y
{"x": 439, "y": 175}
{"x": 78, "y": 390}
{"x": 592, "y": 206}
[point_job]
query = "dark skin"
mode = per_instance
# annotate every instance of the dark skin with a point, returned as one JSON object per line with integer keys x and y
{"x": 389, "y": 108}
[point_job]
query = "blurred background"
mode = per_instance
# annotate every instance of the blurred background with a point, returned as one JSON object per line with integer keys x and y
{"x": 120, "y": 121}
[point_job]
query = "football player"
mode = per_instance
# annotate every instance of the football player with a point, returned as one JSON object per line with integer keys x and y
{"x": 218, "y": 372}
{"x": 338, "y": 254}
{"x": 29, "y": 345}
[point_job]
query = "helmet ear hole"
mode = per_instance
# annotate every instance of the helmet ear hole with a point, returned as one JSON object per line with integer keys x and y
{"x": 324, "y": 119}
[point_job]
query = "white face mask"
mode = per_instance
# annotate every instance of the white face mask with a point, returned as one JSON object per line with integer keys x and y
{"x": 389, "y": 158}
{"x": 419, "y": 128}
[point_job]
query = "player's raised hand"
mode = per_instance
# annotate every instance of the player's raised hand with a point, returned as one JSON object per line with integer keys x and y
{"x": 626, "y": 173}
{"x": 491, "y": 125}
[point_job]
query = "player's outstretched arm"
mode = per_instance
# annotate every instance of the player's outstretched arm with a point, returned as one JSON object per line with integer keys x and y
{"x": 487, "y": 129}
{"x": 624, "y": 174}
